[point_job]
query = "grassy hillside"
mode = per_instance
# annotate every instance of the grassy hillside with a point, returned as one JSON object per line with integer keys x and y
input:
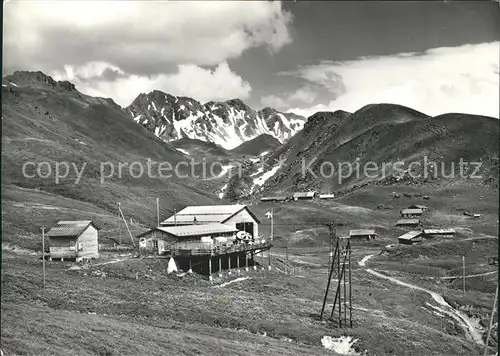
{"x": 200, "y": 148}
{"x": 339, "y": 152}
{"x": 124, "y": 305}
{"x": 47, "y": 121}
{"x": 257, "y": 145}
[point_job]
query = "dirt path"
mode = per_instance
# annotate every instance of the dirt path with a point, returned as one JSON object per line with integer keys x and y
{"x": 231, "y": 282}
{"x": 469, "y": 276}
{"x": 293, "y": 258}
{"x": 465, "y": 322}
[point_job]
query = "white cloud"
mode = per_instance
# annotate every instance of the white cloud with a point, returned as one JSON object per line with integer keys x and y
{"x": 306, "y": 112}
{"x": 190, "y": 80}
{"x": 274, "y": 102}
{"x": 138, "y": 35}
{"x": 304, "y": 95}
{"x": 460, "y": 79}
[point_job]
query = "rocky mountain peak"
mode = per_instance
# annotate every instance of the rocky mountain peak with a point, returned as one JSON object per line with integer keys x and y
{"x": 227, "y": 124}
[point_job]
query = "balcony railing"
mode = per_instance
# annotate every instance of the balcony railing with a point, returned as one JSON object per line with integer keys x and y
{"x": 201, "y": 248}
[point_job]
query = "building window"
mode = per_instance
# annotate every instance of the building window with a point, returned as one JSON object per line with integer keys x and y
{"x": 155, "y": 244}
{"x": 80, "y": 246}
{"x": 71, "y": 245}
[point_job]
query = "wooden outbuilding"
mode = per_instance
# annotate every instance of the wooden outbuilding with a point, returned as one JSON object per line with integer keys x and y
{"x": 74, "y": 240}
{"x": 411, "y": 213}
{"x": 410, "y": 237}
{"x": 327, "y": 196}
{"x": 363, "y": 233}
{"x": 408, "y": 222}
{"x": 434, "y": 232}
{"x": 275, "y": 199}
{"x": 472, "y": 215}
{"x": 419, "y": 206}
{"x": 304, "y": 195}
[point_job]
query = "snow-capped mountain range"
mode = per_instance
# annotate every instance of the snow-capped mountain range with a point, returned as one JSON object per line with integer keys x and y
{"x": 227, "y": 124}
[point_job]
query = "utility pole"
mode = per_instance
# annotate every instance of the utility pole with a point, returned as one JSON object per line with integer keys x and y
{"x": 463, "y": 272}
{"x": 331, "y": 268}
{"x": 119, "y": 225}
{"x": 43, "y": 255}
{"x": 491, "y": 323}
{"x": 286, "y": 257}
{"x": 204, "y": 171}
{"x": 272, "y": 237}
{"x": 175, "y": 217}
{"x": 350, "y": 284}
{"x": 272, "y": 224}
{"x": 158, "y": 211}
{"x": 332, "y": 236}
{"x": 342, "y": 268}
{"x": 125, "y": 221}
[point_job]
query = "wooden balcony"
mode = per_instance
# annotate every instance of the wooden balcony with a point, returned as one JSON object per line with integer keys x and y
{"x": 201, "y": 249}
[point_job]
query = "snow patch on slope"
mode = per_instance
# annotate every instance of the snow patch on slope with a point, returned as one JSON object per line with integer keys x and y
{"x": 341, "y": 345}
{"x": 183, "y": 151}
{"x": 222, "y": 191}
{"x": 264, "y": 177}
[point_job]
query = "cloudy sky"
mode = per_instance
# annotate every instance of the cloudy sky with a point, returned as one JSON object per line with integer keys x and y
{"x": 435, "y": 57}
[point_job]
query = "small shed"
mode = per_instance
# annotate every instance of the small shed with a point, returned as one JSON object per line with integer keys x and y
{"x": 472, "y": 215}
{"x": 274, "y": 199}
{"x": 362, "y": 233}
{"x": 304, "y": 195}
{"x": 410, "y": 237}
{"x": 408, "y": 222}
{"x": 434, "y": 232}
{"x": 74, "y": 240}
{"x": 327, "y": 196}
{"x": 419, "y": 206}
{"x": 410, "y": 213}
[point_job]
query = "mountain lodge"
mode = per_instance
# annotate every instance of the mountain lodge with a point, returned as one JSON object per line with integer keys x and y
{"x": 197, "y": 235}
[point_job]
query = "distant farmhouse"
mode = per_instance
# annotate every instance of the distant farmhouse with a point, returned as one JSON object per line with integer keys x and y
{"x": 434, "y": 232}
{"x": 274, "y": 199}
{"x": 74, "y": 240}
{"x": 411, "y": 213}
{"x": 364, "y": 234}
{"x": 327, "y": 196}
{"x": 468, "y": 213}
{"x": 304, "y": 195}
{"x": 410, "y": 237}
{"x": 419, "y": 206}
{"x": 408, "y": 222}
